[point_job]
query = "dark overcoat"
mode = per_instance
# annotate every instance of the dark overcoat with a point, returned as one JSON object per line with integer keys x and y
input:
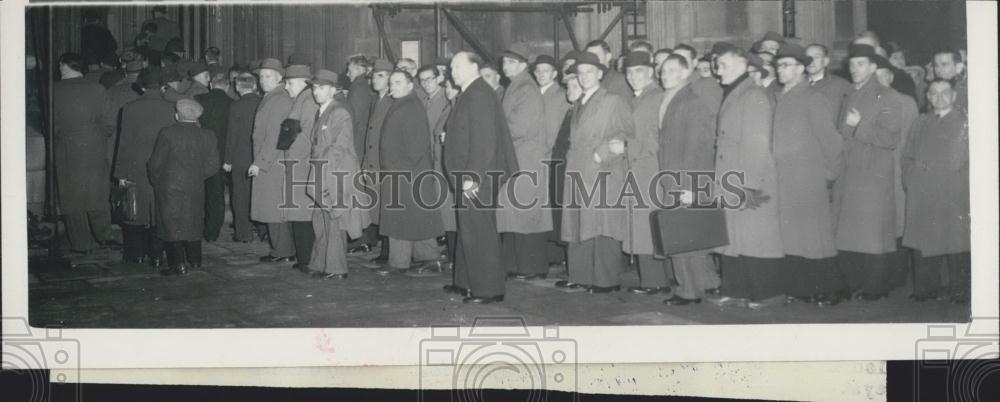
{"x": 936, "y": 177}
{"x": 524, "y": 110}
{"x": 909, "y": 112}
{"x": 864, "y": 196}
{"x": 605, "y": 117}
{"x": 360, "y": 98}
{"x": 834, "y": 89}
{"x": 371, "y": 161}
{"x": 215, "y": 116}
{"x": 807, "y": 153}
{"x": 406, "y": 148}
{"x": 142, "y": 121}
{"x": 268, "y": 189}
{"x": 304, "y": 110}
{"x": 239, "y": 129}
{"x": 83, "y": 122}
{"x": 644, "y": 166}
{"x": 184, "y": 156}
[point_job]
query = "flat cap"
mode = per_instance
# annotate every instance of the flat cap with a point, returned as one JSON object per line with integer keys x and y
{"x": 794, "y": 51}
{"x": 325, "y": 77}
{"x": 188, "y": 109}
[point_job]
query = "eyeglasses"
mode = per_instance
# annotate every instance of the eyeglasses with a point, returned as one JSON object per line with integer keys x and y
{"x": 428, "y": 79}
{"x": 787, "y": 65}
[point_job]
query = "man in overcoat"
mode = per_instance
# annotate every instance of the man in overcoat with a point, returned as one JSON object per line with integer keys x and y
{"x": 359, "y": 98}
{"x": 83, "y": 122}
{"x": 686, "y": 144}
{"x": 408, "y": 194}
{"x": 807, "y": 155}
{"x": 239, "y": 153}
{"x": 183, "y": 157}
{"x": 936, "y": 177}
{"x": 267, "y": 171}
{"x": 654, "y": 275}
{"x": 595, "y": 164}
{"x": 370, "y": 158}
{"x": 216, "y": 118}
{"x": 478, "y": 155}
{"x": 141, "y": 123}
{"x": 751, "y": 262}
{"x": 546, "y": 73}
{"x": 522, "y": 220}
{"x": 830, "y": 85}
{"x": 297, "y": 206}
{"x": 864, "y": 196}
{"x": 334, "y": 166}
{"x": 949, "y": 64}
{"x": 613, "y": 81}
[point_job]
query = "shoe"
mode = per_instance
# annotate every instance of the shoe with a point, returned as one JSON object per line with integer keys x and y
{"x": 603, "y": 289}
{"x": 568, "y": 285}
{"x": 872, "y": 297}
{"x": 823, "y": 300}
{"x": 432, "y": 268}
{"x": 380, "y": 260}
{"x": 482, "y": 300}
{"x": 922, "y": 298}
{"x": 680, "y": 301}
{"x": 639, "y": 290}
{"x": 323, "y": 276}
{"x": 111, "y": 244}
{"x": 304, "y": 268}
{"x": 797, "y": 299}
{"x": 360, "y": 249}
{"x": 526, "y": 277}
{"x": 769, "y": 302}
{"x": 386, "y": 271}
{"x": 135, "y": 260}
{"x": 178, "y": 270}
{"x": 454, "y": 289}
{"x": 155, "y": 262}
{"x": 712, "y": 292}
{"x": 270, "y": 258}
{"x": 724, "y": 301}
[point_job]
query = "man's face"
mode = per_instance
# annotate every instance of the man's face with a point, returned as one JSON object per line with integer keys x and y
{"x": 659, "y": 59}
{"x": 545, "y": 73}
{"x": 704, "y": 69}
{"x": 408, "y": 67}
{"x": 323, "y": 93}
{"x": 946, "y": 67}
{"x": 566, "y": 66}
{"x": 399, "y": 86}
{"x": 355, "y": 70}
{"x": 589, "y": 76}
{"x": 294, "y": 86}
{"x": 573, "y": 89}
{"x": 604, "y": 57}
{"x": 202, "y": 78}
{"x": 672, "y": 74}
{"x": 491, "y": 76}
{"x": 789, "y": 71}
{"x": 176, "y": 85}
{"x": 897, "y": 59}
{"x": 884, "y": 76}
{"x": 770, "y": 46}
{"x": 861, "y": 68}
{"x": 819, "y": 60}
{"x": 462, "y": 71}
{"x": 428, "y": 81}
{"x": 730, "y": 67}
{"x": 512, "y": 67}
{"x": 269, "y": 79}
{"x": 639, "y": 76}
{"x": 941, "y": 96}
{"x": 380, "y": 81}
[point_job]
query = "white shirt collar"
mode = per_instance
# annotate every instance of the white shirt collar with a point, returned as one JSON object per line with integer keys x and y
{"x": 547, "y": 86}
{"x": 588, "y": 94}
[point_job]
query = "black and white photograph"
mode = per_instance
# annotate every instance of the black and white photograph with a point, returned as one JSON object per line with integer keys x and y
{"x": 640, "y": 167}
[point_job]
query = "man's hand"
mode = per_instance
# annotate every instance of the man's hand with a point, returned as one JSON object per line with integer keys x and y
{"x": 441, "y": 136}
{"x": 597, "y": 157}
{"x": 253, "y": 171}
{"x": 227, "y": 167}
{"x": 616, "y": 146}
{"x": 687, "y": 197}
{"x": 755, "y": 198}
{"x": 470, "y": 189}
{"x": 853, "y": 117}
{"x": 122, "y": 182}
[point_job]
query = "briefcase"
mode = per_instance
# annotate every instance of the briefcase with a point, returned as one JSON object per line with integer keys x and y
{"x": 124, "y": 202}
{"x": 290, "y": 128}
{"x": 682, "y": 230}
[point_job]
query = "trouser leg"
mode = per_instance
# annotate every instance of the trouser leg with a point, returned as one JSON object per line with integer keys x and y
{"x": 480, "y": 244}
{"x": 451, "y": 237}
{"x": 878, "y": 274}
{"x": 850, "y": 266}
{"x": 694, "y": 274}
{"x": 192, "y": 252}
{"x": 78, "y": 231}
{"x": 525, "y": 253}
{"x": 239, "y": 199}
{"x": 282, "y": 242}
{"x": 735, "y": 281}
{"x": 764, "y": 275}
{"x": 652, "y": 272}
{"x": 135, "y": 241}
{"x": 176, "y": 254}
{"x": 609, "y": 262}
{"x": 100, "y": 223}
{"x": 426, "y": 250}
{"x": 215, "y": 205}
{"x": 580, "y": 262}
{"x": 400, "y": 253}
{"x": 303, "y": 238}
{"x": 317, "y": 260}
{"x": 927, "y": 274}
{"x": 960, "y": 275}
{"x": 156, "y": 245}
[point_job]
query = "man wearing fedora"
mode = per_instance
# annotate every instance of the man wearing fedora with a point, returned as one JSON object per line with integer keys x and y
{"x": 332, "y": 152}
{"x": 298, "y": 207}
{"x": 201, "y": 78}
{"x": 654, "y": 275}
{"x": 864, "y": 196}
{"x": 751, "y": 262}
{"x": 216, "y": 118}
{"x": 267, "y": 171}
{"x": 807, "y": 156}
{"x": 600, "y": 127}
{"x": 370, "y": 159}
{"x": 522, "y": 218}
{"x": 546, "y": 72}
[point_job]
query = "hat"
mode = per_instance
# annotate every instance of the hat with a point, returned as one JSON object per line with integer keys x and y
{"x": 794, "y": 51}
{"x": 299, "y": 59}
{"x": 587, "y": 58}
{"x": 197, "y": 68}
{"x": 771, "y": 35}
{"x": 174, "y": 45}
{"x": 754, "y": 60}
{"x": 382, "y": 65}
{"x": 638, "y": 58}
{"x": 720, "y": 48}
{"x": 546, "y": 59}
{"x": 442, "y": 61}
{"x": 170, "y": 74}
{"x": 298, "y": 71}
{"x": 755, "y": 47}
{"x": 133, "y": 66}
{"x": 150, "y": 78}
{"x": 325, "y": 77}
{"x": 570, "y": 55}
{"x": 110, "y": 59}
{"x": 517, "y": 51}
{"x": 271, "y": 63}
{"x": 861, "y": 50}
{"x": 883, "y": 62}
{"x": 188, "y": 109}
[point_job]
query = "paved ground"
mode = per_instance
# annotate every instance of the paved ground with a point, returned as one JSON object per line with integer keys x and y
{"x": 232, "y": 289}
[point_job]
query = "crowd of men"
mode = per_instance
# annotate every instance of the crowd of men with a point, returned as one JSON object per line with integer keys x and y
{"x": 846, "y": 191}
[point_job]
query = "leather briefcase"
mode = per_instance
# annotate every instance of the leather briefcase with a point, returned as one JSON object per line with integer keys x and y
{"x": 682, "y": 230}
{"x": 290, "y": 128}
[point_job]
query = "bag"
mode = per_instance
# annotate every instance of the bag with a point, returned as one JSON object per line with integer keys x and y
{"x": 681, "y": 230}
{"x": 290, "y": 129}
{"x": 124, "y": 202}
